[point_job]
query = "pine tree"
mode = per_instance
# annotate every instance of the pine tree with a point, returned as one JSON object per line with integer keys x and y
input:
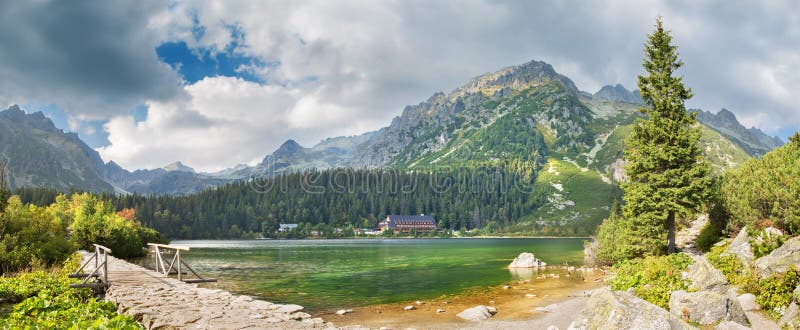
{"x": 667, "y": 176}
{"x": 3, "y": 187}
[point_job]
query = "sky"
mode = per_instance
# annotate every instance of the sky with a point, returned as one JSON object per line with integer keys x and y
{"x": 218, "y": 83}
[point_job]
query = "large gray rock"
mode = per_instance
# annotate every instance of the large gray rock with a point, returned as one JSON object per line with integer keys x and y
{"x": 608, "y": 309}
{"x": 477, "y": 313}
{"x": 790, "y": 315}
{"x": 702, "y": 276}
{"x": 706, "y": 307}
{"x": 526, "y": 260}
{"x": 740, "y": 248}
{"x": 730, "y": 325}
{"x": 780, "y": 259}
{"x": 748, "y": 302}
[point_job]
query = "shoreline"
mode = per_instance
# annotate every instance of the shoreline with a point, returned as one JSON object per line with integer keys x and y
{"x": 549, "y": 295}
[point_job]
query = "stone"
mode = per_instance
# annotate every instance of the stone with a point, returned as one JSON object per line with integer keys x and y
{"x": 552, "y": 327}
{"x": 702, "y": 276}
{"x": 530, "y": 295}
{"x": 409, "y": 308}
{"x": 439, "y": 310}
{"x": 730, "y": 325}
{"x": 790, "y": 315}
{"x": 610, "y": 310}
{"x": 526, "y": 260}
{"x": 740, "y": 248}
{"x": 477, "y": 313}
{"x": 506, "y": 287}
{"x": 706, "y": 307}
{"x": 780, "y": 259}
{"x": 748, "y": 302}
{"x": 288, "y": 309}
{"x": 344, "y": 311}
{"x": 492, "y": 310}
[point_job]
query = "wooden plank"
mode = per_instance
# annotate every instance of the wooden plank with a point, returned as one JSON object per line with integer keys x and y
{"x": 102, "y": 248}
{"x": 167, "y": 246}
{"x": 200, "y": 280}
{"x": 82, "y": 275}
{"x": 89, "y": 285}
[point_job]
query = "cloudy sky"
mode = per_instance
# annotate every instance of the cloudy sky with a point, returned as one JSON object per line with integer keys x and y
{"x": 216, "y": 83}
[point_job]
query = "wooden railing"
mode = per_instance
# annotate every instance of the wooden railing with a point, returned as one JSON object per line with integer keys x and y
{"x": 100, "y": 257}
{"x": 176, "y": 264}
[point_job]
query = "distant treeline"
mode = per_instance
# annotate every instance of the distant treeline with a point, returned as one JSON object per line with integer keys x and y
{"x": 489, "y": 198}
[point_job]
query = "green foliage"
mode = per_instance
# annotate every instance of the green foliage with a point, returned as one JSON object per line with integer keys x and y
{"x": 610, "y": 234}
{"x": 652, "y": 278}
{"x": 776, "y": 292}
{"x": 709, "y": 235}
{"x": 667, "y": 175}
{"x": 735, "y": 272}
{"x": 93, "y": 220}
{"x": 763, "y": 192}
{"x": 765, "y": 242}
{"x": 47, "y": 302}
{"x": 31, "y": 236}
{"x": 3, "y": 186}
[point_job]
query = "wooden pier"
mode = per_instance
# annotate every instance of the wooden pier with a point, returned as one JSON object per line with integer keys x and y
{"x": 158, "y": 299}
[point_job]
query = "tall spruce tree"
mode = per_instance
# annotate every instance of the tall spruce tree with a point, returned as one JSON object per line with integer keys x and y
{"x": 667, "y": 177}
{"x": 3, "y": 187}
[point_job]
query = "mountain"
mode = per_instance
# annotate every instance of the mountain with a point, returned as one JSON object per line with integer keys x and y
{"x": 752, "y": 140}
{"x": 179, "y": 167}
{"x": 526, "y": 115}
{"x": 40, "y": 155}
{"x": 618, "y": 93}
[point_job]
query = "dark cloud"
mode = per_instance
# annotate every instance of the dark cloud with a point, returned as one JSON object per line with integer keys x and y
{"x": 94, "y": 58}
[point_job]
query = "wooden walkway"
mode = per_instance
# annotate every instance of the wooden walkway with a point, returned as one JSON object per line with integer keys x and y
{"x": 158, "y": 301}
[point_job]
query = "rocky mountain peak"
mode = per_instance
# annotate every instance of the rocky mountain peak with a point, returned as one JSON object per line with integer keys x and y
{"x": 178, "y": 167}
{"x": 618, "y": 93}
{"x": 287, "y": 149}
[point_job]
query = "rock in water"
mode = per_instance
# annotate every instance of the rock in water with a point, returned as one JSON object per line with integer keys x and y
{"x": 608, "y": 309}
{"x": 706, "y": 307}
{"x": 704, "y": 277}
{"x": 779, "y": 260}
{"x": 740, "y": 248}
{"x": 526, "y": 260}
{"x": 477, "y": 313}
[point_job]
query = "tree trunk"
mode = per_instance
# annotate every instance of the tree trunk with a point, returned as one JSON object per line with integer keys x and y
{"x": 671, "y": 232}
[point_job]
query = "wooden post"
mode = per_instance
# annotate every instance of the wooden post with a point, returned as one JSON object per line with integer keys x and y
{"x": 178, "y": 252}
{"x": 105, "y": 267}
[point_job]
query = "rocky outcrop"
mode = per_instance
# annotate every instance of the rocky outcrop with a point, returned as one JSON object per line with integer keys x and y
{"x": 527, "y": 260}
{"x": 706, "y": 307}
{"x": 477, "y": 313}
{"x": 748, "y": 302}
{"x": 780, "y": 259}
{"x": 740, "y": 248}
{"x": 790, "y": 316}
{"x": 608, "y": 309}
{"x": 702, "y": 276}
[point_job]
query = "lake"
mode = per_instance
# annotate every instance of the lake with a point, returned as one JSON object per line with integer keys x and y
{"x": 325, "y": 274}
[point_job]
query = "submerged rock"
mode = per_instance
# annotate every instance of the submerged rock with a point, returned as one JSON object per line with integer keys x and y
{"x": 477, "y": 313}
{"x": 608, "y": 309}
{"x": 706, "y": 307}
{"x": 704, "y": 277}
{"x": 526, "y": 260}
{"x": 740, "y": 248}
{"x": 780, "y": 259}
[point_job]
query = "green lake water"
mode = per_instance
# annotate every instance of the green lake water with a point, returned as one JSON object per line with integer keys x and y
{"x": 324, "y": 274}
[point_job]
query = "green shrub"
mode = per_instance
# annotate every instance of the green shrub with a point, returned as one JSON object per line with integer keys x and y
{"x": 735, "y": 272}
{"x": 709, "y": 235}
{"x": 776, "y": 292}
{"x": 652, "y": 278}
{"x": 765, "y": 243}
{"x": 47, "y": 302}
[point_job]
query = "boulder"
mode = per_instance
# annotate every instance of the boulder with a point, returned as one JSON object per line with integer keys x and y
{"x": 748, "y": 302}
{"x": 608, "y": 309}
{"x": 740, "y": 248}
{"x": 706, "y": 307}
{"x": 477, "y": 313}
{"x": 526, "y": 260}
{"x": 702, "y": 276}
{"x": 780, "y": 259}
{"x": 730, "y": 325}
{"x": 790, "y": 315}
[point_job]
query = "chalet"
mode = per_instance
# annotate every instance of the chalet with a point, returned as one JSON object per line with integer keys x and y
{"x": 286, "y": 227}
{"x": 407, "y": 223}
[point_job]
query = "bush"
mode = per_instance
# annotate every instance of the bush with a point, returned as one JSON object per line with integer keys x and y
{"x": 614, "y": 239}
{"x": 765, "y": 242}
{"x": 47, "y": 302}
{"x": 735, "y": 272}
{"x": 709, "y": 235}
{"x": 777, "y": 292}
{"x": 652, "y": 278}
